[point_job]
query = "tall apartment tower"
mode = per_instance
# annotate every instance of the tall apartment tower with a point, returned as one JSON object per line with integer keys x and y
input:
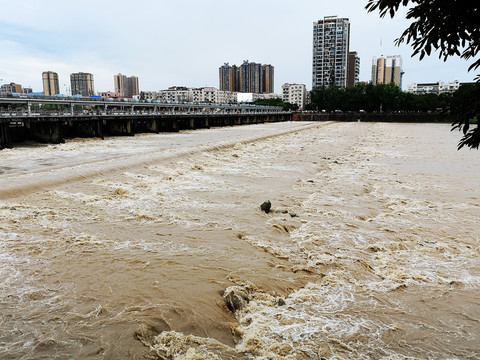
{"x": 386, "y": 70}
{"x": 353, "y": 72}
{"x": 119, "y": 84}
{"x": 229, "y": 77}
{"x": 250, "y": 77}
{"x": 126, "y": 86}
{"x": 331, "y": 40}
{"x": 50, "y": 83}
{"x": 82, "y": 84}
{"x": 132, "y": 87}
{"x": 267, "y": 79}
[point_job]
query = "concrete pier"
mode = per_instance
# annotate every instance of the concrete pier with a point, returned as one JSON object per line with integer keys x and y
{"x": 45, "y": 130}
{"x": 5, "y": 140}
{"x": 119, "y": 126}
{"x": 83, "y": 128}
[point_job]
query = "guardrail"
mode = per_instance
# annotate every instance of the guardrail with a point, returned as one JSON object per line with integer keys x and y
{"x": 69, "y": 103}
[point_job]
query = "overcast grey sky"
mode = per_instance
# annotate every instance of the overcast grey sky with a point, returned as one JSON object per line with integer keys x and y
{"x": 183, "y": 43}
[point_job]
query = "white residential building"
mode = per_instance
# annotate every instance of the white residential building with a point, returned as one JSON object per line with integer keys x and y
{"x": 294, "y": 94}
{"x": 226, "y": 97}
{"x": 434, "y": 88}
{"x": 251, "y": 97}
{"x": 149, "y": 95}
{"x": 209, "y": 95}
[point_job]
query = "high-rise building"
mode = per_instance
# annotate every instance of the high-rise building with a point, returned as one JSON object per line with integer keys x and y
{"x": 331, "y": 38}
{"x": 229, "y": 77}
{"x": 386, "y": 70}
{"x": 126, "y": 86}
{"x": 267, "y": 79}
{"x": 50, "y": 83}
{"x": 119, "y": 83}
{"x": 82, "y": 84}
{"x": 353, "y": 73}
{"x": 250, "y": 77}
{"x": 132, "y": 87}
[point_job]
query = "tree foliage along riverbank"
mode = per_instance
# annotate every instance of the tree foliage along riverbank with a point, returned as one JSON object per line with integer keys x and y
{"x": 371, "y": 98}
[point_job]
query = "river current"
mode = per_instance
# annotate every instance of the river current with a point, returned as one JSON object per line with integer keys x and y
{"x": 123, "y": 248}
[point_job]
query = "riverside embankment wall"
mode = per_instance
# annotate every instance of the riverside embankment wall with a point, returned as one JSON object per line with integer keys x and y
{"x": 377, "y": 117}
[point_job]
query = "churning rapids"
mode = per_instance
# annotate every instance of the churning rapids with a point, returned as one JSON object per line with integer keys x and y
{"x": 123, "y": 248}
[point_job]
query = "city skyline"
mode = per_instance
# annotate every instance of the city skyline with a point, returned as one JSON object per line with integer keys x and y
{"x": 279, "y": 33}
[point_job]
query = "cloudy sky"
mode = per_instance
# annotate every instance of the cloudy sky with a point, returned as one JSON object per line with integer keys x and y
{"x": 167, "y": 42}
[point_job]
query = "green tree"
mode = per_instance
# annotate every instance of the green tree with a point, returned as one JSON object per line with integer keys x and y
{"x": 466, "y": 103}
{"x": 450, "y": 27}
{"x": 369, "y": 97}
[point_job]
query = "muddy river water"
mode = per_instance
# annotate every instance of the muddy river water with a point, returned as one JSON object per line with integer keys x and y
{"x": 123, "y": 248}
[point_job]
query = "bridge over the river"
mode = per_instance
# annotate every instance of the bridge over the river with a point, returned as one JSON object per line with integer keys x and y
{"x": 54, "y": 120}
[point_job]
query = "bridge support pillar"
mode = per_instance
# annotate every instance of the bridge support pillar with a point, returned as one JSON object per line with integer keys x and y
{"x": 145, "y": 125}
{"x": 200, "y": 122}
{"x": 46, "y": 131}
{"x": 167, "y": 124}
{"x": 85, "y": 128}
{"x": 154, "y": 126}
{"x": 5, "y": 140}
{"x": 119, "y": 127}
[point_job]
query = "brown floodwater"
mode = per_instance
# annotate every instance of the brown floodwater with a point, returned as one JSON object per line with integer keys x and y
{"x": 123, "y": 248}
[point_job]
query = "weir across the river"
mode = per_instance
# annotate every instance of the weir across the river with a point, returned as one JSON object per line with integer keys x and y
{"x": 54, "y": 119}
{"x": 55, "y": 129}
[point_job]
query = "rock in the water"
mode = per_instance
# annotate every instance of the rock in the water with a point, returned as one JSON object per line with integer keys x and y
{"x": 266, "y": 206}
{"x": 235, "y": 298}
